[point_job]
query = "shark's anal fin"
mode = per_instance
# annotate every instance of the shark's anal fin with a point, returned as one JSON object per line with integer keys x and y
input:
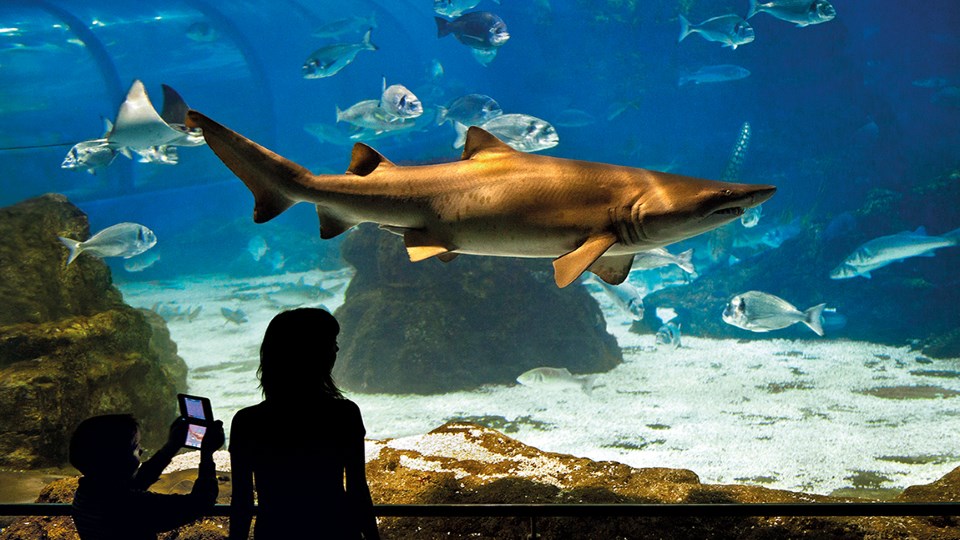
{"x": 364, "y": 160}
{"x": 568, "y": 268}
{"x": 422, "y": 246}
{"x": 265, "y": 173}
{"x": 613, "y": 269}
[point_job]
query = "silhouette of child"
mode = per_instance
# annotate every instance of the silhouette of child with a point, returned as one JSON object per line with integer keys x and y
{"x": 303, "y": 445}
{"x": 112, "y": 501}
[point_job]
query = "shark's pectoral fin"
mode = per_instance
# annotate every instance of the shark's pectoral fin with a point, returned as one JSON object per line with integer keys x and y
{"x": 331, "y": 226}
{"x": 568, "y": 268}
{"x": 265, "y": 173}
{"x": 365, "y": 160}
{"x": 420, "y": 246}
{"x": 613, "y": 269}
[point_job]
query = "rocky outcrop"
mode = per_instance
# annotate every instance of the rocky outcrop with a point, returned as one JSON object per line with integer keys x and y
{"x": 69, "y": 347}
{"x": 464, "y": 463}
{"x": 431, "y": 327}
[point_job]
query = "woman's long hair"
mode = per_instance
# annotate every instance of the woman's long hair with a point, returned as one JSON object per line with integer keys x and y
{"x": 297, "y": 356}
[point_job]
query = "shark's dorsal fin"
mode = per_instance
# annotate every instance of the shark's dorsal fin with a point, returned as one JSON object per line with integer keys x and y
{"x": 421, "y": 245}
{"x": 567, "y": 268}
{"x": 365, "y": 160}
{"x": 174, "y": 108}
{"x": 480, "y": 141}
{"x": 613, "y": 269}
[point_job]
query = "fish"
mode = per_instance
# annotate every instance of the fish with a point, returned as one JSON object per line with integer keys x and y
{"x": 626, "y": 297}
{"x": 164, "y": 155}
{"x": 297, "y": 294}
{"x": 453, "y": 8}
{"x": 669, "y": 335}
{"x": 751, "y": 217}
{"x": 329, "y": 60}
{"x": 90, "y": 156}
{"x": 494, "y": 201}
{"x": 236, "y": 316}
{"x": 714, "y": 74}
{"x": 121, "y": 240}
{"x": 731, "y": 30}
{"x": 398, "y": 102}
{"x": 617, "y": 108}
{"x": 141, "y": 262}
{"x": 551, "y": 378}
{"x": 257, "y": 247}
{"x": 801, "y": 12}
{"x": 368, "y": 114}
{"x": 574, "y": 118}
{"x": 762, "y": 312}
{"x": 522, "y": 132}
{"x": 657, "y": 257}
{"x": 345, "y": 25}
{"x": 469, "y": 110}
{"x": 482, "y": 31}
{"x": 276, "y": 260}
{"x": 885, "y": 250}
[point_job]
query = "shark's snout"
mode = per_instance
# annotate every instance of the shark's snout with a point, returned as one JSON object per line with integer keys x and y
{"x": 762, "y": 194}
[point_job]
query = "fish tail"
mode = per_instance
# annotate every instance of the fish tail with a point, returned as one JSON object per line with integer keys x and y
{"x": 685, "y": 261}
{"x": 443, "y": 27}
{"x": 339, "y": 114}
{"x": 684, "y": 28}
{"x": 367, "y": 44}
{"x": 753, "y": 9}
{"x": 461, "y": 135}
{"x": 266, "y": 174}
{"x": 953, "y": 236}
{"x": 813, "y": 318}
{"x": 441, "y": 115}
{"x": 587, "y": 383}
{"x": 74, "y": 247}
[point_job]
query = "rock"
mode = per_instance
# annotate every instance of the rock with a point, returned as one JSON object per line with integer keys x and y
{"x": 69, "y": 347}
{"x": 431, "y": 327}
{"x": 464, "y": 463}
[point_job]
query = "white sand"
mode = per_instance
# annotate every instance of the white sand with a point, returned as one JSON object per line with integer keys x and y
{"x": 787, "y": 414}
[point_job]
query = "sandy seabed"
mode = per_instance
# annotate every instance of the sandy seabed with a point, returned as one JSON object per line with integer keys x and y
{"x": 812, "y": 416}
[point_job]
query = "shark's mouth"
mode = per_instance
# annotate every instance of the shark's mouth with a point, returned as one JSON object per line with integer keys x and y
{"x": 733, "y": 211}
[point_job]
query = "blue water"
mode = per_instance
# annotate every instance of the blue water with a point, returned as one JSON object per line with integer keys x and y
{"x": 861, "y": 106}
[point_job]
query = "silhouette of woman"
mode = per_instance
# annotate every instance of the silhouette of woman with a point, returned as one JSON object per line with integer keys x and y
{"x": 303, "y": 445}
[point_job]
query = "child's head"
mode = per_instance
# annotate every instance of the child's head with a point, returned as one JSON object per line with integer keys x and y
{"x": 107, "y": 446}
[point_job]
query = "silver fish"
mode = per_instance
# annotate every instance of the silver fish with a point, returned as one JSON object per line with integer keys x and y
{"x": 574, "y": 118}
{"x": 551, "y": 378}
{"x": 368, "y": 114}
{"x": 714, "y": 74}
{"x": 90, "y": 156}
{"x": 521, "y": 131}
{"x": 236, "y": 316}
{"x": 453, "y": 8}
{"x": 751, "y": 217}
{"x": 801, "y": 12}
{"x": 328, "y": 61}
{"x": 731, "y": 30}
{"x": 257, "y": 247}
{"x": 882, "y": 251}
{"x": 762, "y": 312}
{"x": 399, "y": 102}
{"x": 657, "y": 257}
{"x": 141, "y": 262}
{"x": 469, "y": 110}
{"x": 120, "y": 240}
{"x": 669, "y": 335}
{"x": 625, "y": 296}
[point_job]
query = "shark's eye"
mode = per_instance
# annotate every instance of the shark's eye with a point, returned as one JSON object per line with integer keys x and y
{"x": 727, "y": 193}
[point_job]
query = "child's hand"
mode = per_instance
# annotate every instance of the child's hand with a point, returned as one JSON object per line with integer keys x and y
{"x": 178, "y": 432}
{"x": 213, "y": 439}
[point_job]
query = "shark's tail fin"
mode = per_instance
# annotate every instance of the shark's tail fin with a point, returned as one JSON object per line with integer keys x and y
{"x": 684, "y": 28}
{"x": 953, "y": 235}
{"x": 813, "y": 318}
{"x": 266, "y": 174}
{"x": 74, "y": 247}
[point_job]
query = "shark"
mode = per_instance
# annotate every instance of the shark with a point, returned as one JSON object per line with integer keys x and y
{"x": 494, "y": 201}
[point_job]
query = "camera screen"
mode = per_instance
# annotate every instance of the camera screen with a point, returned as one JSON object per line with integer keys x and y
{"x": 195, "y": 435}
{"x": 194, "y": 408}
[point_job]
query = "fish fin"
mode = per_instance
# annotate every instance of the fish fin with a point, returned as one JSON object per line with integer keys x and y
{"x": 265, "y": 173}
{"x": 812, "y": 318}
{"x": 587, "y": 384}
{"x": 72, "y": 245}
{"x": 331, "y": 226}
{"x": 685, "y": 261}
{"x": 443, "y": 27}
{"x": 367, "y": 44}
{"x": 365, "y": 160}
{"x": 921, "y": 231}
{"x": 753, "y": 9}
{"x": 613, "y": 269}
{"x": 684, "y": 28}
{"x": 866, "y": 275}
{"x": 480, "y": 143}
{"x": 953, "y": 236}
{"x": 421, "y": 245}
{"x": 568, "y": 267}
{"x": 174, "y": 107}
{"x": 461, "y": 130}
